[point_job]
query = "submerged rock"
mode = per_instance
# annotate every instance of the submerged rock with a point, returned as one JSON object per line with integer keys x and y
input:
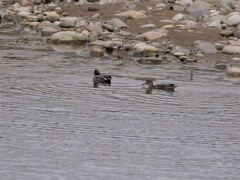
{"x": 233, "y": 72}
{"x": 67, "y": 37}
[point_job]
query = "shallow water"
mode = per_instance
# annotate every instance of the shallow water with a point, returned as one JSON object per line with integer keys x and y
{"x": 55, "y": 125}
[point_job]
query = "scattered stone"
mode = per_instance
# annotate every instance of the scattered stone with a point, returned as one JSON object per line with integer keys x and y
{"x": 234, "y": 19}
{"x": 148, "y": 26}
{"x": 226, "y": 33}
{"x": 236, "y": 32}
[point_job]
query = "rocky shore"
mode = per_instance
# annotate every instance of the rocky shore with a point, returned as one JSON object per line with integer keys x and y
{"x": 154, "y": 31}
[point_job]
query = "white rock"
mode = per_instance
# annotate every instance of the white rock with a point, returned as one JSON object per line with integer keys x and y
{"x": 148, "y": 26}
{"x": 68, "y": 21}
{"x": 117, "y": 23}
{"x": 143, "y": 47}
{"x": 178, "y": 17}
{"x": 132, "y": 14}
{"x": 230, "y": 49}
{"x": 151, "y": 35}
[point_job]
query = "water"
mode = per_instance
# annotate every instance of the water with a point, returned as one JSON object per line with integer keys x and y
{"x": 55, "y": 125}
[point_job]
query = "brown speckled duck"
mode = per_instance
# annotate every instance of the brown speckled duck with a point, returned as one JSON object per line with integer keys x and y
{"x": 151, "y": 87}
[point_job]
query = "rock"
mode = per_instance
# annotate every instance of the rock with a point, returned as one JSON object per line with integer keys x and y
{"x": 52, "y": 16}
{"x": 91, "y": 8}
{"x": 205, "y": 47}
{"x": 148, "y": 26}
{"x": 117, "y": 23}
{"x": 125, "y": 33}
{"x": 221, "y": 66}
{"x": 233, "y": 72}
{"x": 185, "y": 3}
{"x": 178, "y": 8}
{"x": 198, "y": 5}
{"x": 94, "y": 28}
{"x": 48, "y": 31}
{"x": 216, "y": 24}
{"x": 144, "y": 48}
{"x": 67, "y": 22}
{"x": 236, "y": 32}
{"x": 234, "y": 20}
{"x": 58, "y": 10}
{"x": 177, "y": 17}
{"x": 230, "y": 49}
{"x": 96, "y": 51}
{"x": 37, "y": 1}
{"x": 108, "y": 27}
{"x": 132, "y": 14}
{"x": 226, "y": 33}
{"x": 67, "y": 37}
{"x": 199, "y": 13}
{"x": 180, "y": 51}
{"x": 217, "y": 17}
{"x": 151, "y": 35}
{"x": 190, "y": 25}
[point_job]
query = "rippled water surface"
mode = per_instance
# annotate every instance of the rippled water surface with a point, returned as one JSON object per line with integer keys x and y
{"x": 55, "y": 125}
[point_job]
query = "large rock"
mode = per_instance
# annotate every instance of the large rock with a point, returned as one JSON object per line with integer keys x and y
{"x": 205, "y": 47}
{"x": 52, "y": 16}
{"x": 132, "y": 14}
{"x": 230, "y": 49}
{"x": 48, "y": 31}
{"x": 144, "y": 48}
{"x": 117, "y": 23}
{"x": 234, "y": 72}
{"x": 67, "y": 37}
{"x": 198, "y": 5}
{"x": 234, "y": 19}
{"x": 68, "y": 22}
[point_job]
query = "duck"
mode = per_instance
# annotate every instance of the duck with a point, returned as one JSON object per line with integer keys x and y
{"x": 151, "y": 87}
{"x": 101, "y": 79}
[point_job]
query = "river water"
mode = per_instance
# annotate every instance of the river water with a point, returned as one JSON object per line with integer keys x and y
{"x": 55, "y": 125}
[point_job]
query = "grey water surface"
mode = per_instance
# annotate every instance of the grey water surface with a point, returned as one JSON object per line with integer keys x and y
{"x": 55, "y": 125}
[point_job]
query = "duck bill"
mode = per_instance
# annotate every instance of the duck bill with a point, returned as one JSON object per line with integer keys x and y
{"x": 144, "y": 86}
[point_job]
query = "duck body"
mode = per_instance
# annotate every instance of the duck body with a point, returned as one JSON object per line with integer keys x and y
{"x": 164, "y": 87}
{"x": 101, "y": 79}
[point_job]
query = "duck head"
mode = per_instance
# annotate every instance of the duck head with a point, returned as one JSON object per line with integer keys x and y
{"x": 96, "y": 72}
{"x": 148, "y": 82}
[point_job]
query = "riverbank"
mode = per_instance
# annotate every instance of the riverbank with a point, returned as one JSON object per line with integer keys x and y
{"x": 188, "y": 31}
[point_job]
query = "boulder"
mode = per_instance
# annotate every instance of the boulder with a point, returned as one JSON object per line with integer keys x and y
{"x": 230, "y": 49}
{"x": 117, "y": 23}
{"x": 52, "y": 16}
{"x": 234, "y": 20}
{"x": 144, "y": 48}
{"x": 67, "y": 37}
{"x": 205, "y": 47}
{"x": 67, "y": 22}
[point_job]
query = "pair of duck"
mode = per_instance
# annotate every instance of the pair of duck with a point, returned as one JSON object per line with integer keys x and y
{"x": 106, "y": 80}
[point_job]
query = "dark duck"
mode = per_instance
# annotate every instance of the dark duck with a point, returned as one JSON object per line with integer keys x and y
{"x": 150, "y": 87}
{"x": 101, "y": 79}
